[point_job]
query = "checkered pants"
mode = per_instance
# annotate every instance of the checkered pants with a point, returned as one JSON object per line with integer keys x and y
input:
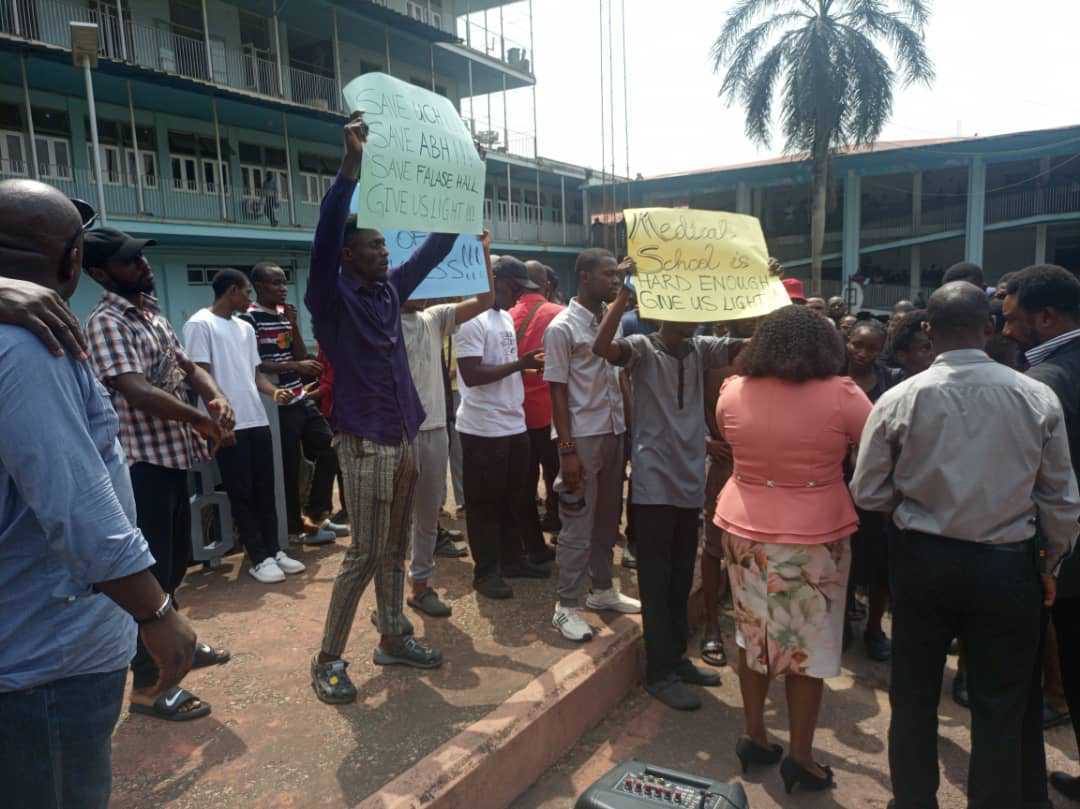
{"x": 379, "y": 485}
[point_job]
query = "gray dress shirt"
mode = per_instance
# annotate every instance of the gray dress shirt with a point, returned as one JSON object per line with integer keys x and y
{"x": 592, "y": 384}
{"x": 971, "y": 450}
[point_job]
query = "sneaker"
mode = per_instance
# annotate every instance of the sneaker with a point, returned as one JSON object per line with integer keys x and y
{"x": 410, "y": 652}
{"x": 449, "y": 534}
{"x": 629, "y": 558}
{"x": 332, "y": 685}
{"x": 569, "y": 622}
{"x": 320, "y": 536}
{"x": 446, "y": 548}
{"x": 288, "y": 564}
{"x": 673, "y": 693}
{"x": 338, "y": 529}
{"x": 341, "y": 517}
{"x": 614, "y": 601}
{"x": 494, "y": 587}
{"x": 267, "y": 571}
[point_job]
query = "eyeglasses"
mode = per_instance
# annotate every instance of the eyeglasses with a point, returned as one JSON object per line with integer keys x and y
{"x": 89, "y": 219}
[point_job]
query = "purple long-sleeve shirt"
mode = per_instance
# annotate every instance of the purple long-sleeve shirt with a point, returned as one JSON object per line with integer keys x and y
{"x": 359, "y": 328}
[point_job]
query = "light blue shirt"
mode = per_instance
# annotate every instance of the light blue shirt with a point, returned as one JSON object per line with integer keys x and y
{"x": 67, "y": 519}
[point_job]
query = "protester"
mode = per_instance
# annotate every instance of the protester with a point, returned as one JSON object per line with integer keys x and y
{"x": 846, "y": 324}
{"x": 902, "y": 307}
{"x": 355, "y": 301}
{"x": 817, "y": 306}
{"x": 554, "y": 294}
{"x": 795, "y": 291}
{"x": 501, "y": 516}
{"x": 632, "y": 322}
{"x": 965, "y": 563}
{"x": 532, "y": 314}
{"x": 910, "y": 345}
{"x": 44, "y": 313}
{"x": 667, "y": 377}
{"x": 424, "y": 329}
{"x": 790, "y": 418}
{"x": 838, "y": 309}
{"x": 869, "y": 549}
{"x": 1042, "y": 314}
{"x": 74, "y": 568}
{"x": 965, "y": 271}
{"x": 304, "y": 431}
{"x": 587, "y": 410}
{"x": 137, "y": 356}
{"x": 225, "y": 346}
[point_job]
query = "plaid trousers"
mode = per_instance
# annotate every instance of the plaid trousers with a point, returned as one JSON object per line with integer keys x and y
{"x": 379, "y": 486}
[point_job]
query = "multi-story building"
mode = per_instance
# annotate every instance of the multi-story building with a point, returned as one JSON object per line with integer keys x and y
{"x": 219, "y": 121}
{"x": 899, "y": 214}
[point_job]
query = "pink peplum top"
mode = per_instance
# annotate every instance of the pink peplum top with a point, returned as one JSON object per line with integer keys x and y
{"x": 789, "y": 441}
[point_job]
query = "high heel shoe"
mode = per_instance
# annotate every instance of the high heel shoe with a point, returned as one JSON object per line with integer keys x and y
{"x": 795, "y": 775}
{"x": 750, "y": 753}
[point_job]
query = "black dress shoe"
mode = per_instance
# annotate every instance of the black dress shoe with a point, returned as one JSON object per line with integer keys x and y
{"x": 494, "y": 587}
{"x": 1066, "y": 785}
{"x": 795, "y": 775}
{"x": 877, "y": 645}
{"x": 543, "y": 557}
{"x": 692, "y": 675}
{"x": 525, "y": 569}
{"x": 673, "y": 693}
{"x": 750, "y": 754}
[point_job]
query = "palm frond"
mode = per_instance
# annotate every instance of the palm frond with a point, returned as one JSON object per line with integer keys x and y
{"x": 757, "y": 93}
{"x": 918, "y": 13}
{"x": 744, "y": 56}
{"x": 740, "y": 18}
{"x": 870, "y": 95}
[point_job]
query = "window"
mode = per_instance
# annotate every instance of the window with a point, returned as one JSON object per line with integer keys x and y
{"x": 149, "y": 167}
{"x": 420, "y": 11}
{"x": 54, "y": 158}
{"x": 315, "y": 187}
{"x": 255, "y": 177}
{"x": 212, "y": 172}
{"x": 12, "y": 160}
{"x": 184, "y": 175}
{"x": 112, "y": 169}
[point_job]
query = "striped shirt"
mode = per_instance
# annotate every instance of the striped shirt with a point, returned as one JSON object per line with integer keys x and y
{"x": 1041, "y": 352}
{"x": 126, "y": 339}
{"x": 274, "y": 334}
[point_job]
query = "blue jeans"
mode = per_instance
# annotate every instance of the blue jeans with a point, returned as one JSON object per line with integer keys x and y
{"x": 57, "y": 742}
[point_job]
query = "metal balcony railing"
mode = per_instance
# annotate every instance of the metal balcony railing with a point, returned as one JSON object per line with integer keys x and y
{"x": 494, "y": 44}
{"x": 170, "y": 51}
{"x": 1007, "y": 205}
{"x": 495, "y": 138}
{"x": 527, "y": 224}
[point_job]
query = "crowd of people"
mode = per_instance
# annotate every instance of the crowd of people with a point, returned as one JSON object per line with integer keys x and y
{"x": 836, "y": 466}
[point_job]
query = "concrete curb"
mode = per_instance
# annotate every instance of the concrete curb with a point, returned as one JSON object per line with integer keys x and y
{"x": 497, "y": 758}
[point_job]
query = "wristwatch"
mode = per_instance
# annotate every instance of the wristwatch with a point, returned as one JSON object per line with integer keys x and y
{"x": 157, "y": 614}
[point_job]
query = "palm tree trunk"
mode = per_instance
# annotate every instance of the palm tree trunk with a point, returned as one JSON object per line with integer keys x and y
{"x": 817, "y": 216}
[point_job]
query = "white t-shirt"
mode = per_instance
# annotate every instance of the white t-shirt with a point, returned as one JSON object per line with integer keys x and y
{"x": 424, "y": 334}
{"x": 497, "y": 409}
{"x": 229, "y": 346}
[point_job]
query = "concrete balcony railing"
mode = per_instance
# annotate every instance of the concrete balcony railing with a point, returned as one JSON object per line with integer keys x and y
{"x": 169, "y": 51}
{"x": 528, "y": 224}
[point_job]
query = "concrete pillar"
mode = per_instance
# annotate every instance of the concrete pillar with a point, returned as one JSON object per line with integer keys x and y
{"x": 975, "y": 230}
{"x": 916, "y": 271}
{"x": 916, "y": 202}
{"x": 757, "y": 203}
{"x": 852, "y": 226}
{"x": 743, "y": 202}
{"x": 1040, "y": 244}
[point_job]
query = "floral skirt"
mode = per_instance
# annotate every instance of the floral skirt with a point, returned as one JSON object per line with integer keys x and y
{"x": 789, "y": 604}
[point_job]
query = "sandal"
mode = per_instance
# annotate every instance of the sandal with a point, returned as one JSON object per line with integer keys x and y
{"x": 330, "y": 682}
{"x": 170, "y": 706}
{"x": 713, "y": 652}
{"x": 206, "y": 655}
{"x": 429, "y": 603}
{"x": 410, "y": 652}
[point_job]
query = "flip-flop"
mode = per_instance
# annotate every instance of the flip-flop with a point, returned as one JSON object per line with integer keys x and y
{"x": 206, "y": 655}
{"x": 713, "y": 652}
{"x": 170, "y": 706}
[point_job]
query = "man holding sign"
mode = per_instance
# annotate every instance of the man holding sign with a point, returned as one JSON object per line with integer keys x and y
{"x": 355, "y": 301}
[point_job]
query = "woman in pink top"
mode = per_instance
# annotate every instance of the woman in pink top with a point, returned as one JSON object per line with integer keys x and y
{"x": 786, "y": 514}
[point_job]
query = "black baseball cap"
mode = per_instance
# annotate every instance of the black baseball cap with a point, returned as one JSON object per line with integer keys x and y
{"x": 511, "y": 269}
{"x": 103, "y": 245}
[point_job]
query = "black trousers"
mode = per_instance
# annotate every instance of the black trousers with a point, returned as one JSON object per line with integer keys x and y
{"x": 667, "y": 541}
{"x": 543, "y": 455}
{"x": 1066, "y": 613}
{"x": 991, "y": 600}
{"x": 496, "y": 472}
{"x": 1032, "y": 739}
{"x": 164, "y": 517}
{"x": 303, "y": 428}
{"x": 247, "y": 471}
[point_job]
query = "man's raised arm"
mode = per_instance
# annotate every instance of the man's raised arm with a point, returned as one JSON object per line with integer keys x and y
{"x": 330, "y": 232}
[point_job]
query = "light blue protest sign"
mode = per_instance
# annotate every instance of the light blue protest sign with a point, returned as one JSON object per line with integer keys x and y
{"x": 420, "y": 169}
{"x": 461, "y": 274}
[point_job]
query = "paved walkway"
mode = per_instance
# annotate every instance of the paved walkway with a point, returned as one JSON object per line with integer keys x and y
{"x": 851, "y": 739}
{"x": 270, "y": 743}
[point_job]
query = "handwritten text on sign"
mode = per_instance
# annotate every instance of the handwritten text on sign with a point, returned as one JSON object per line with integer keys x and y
{"x": 462, "y": 273}
{"x": 699, "y": 266}
{"x": 420, "y": 169}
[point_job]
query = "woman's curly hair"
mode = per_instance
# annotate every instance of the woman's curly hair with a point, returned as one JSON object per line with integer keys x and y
{"x": 795, "y": 344}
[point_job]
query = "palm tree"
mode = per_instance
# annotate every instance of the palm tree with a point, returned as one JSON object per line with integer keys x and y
{"x": 826, "y": 60}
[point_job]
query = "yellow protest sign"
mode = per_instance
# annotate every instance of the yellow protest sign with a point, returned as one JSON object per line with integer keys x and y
{"x": 701, "y": 266}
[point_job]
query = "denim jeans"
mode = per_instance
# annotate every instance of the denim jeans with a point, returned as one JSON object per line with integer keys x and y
{"x": 57, "y": 742}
